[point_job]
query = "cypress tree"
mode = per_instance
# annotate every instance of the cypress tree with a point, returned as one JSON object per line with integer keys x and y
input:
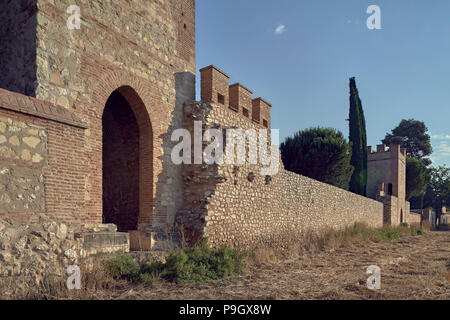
{"x": 358, "y": 138}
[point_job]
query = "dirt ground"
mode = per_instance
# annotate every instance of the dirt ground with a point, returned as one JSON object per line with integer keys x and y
{"x": 411, "y": 268}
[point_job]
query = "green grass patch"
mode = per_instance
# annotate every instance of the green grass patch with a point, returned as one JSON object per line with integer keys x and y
{"x": 387, "y": 233}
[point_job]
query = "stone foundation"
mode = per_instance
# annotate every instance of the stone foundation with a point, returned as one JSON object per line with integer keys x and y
{"x": 47, "y": 248}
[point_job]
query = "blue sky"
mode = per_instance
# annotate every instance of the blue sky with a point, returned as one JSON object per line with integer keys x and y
{"x": 300, "y": 54}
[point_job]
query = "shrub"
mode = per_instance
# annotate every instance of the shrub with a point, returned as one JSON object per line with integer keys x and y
{"x": 404, "y": 225}
{"x": 416, "y": 231}
{"x": 201, "y": 264}
{"x": 191, "y": 265}
{"x": 123, "y": 267}
{"x": 153, "y": 268}
{"x": 147, "y": 278}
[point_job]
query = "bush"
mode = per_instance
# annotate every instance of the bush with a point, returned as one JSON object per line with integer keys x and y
{"x": 123, "y": 267}
{"x": 153, "y": 268}
{"x": 404, "y": 225}
{"x": 191, "y": 265}
{"x": 416, "y": 231}
{"x": 200, "y": 264}
{"x": 147, "y": 278}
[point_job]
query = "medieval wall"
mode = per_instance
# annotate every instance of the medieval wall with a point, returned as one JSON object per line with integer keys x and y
{"x": 139, "y": 46}
{"x": 235, "y": 204}
{"x": 42, "y": 174}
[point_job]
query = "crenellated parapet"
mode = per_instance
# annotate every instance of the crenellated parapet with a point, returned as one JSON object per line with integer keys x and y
{"x": 236, "y": 98}
{"x": 394, "y": 151}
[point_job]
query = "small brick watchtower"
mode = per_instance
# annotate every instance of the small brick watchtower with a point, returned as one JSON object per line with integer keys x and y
{"x": 386, "y": 181}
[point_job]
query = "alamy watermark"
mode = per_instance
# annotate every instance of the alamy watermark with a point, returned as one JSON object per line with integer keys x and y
{"x": 74, "y": 280}
{"x": 230, "y": 146}
{"x": 74, "y": 21}
{"x": 374, "y": 281}
{"x": 374, "y": 21}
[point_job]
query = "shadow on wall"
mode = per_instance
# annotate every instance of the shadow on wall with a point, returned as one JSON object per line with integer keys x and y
{"x": 120, "y": 164}
{"x": 18, "y": 27}
{"x": 170, "y": 185}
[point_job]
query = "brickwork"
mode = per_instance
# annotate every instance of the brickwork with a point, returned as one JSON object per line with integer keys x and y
{"x": 261, "y": 112}
{"x": 241, "y": 100}
{"x": 39, "y": 150}
{"x": 137, "y": 48}
{"x": 214, "y": 86}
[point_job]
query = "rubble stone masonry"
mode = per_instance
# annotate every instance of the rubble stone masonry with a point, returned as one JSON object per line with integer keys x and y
{"x": 224, "y": 204}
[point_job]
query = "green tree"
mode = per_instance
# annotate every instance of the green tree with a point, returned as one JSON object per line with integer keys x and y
{"x": 415, "y": 139}
{"x": 358, "y": 140}
{"x": 319, "y": 153}
{"x": 438, "y": 191}
{"x": 417, "y": 177}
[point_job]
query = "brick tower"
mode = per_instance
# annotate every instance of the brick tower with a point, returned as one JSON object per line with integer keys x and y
{"x": 387, "y": 181}
{"x": 124, "y": 75}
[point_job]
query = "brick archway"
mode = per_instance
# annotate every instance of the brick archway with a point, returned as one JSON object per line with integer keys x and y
{"x": 148, "y": 106}
{"x": 127, "y": 160}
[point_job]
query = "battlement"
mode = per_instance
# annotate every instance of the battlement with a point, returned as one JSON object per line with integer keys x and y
{"x": 241, "y": 99}
{"x": 394, "y": 151}
{"x": 236, "y": 97}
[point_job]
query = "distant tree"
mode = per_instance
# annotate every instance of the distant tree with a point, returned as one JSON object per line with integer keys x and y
{"x": 319, "y": 153}
{"x": 415, "y": 139}
{"x": 438, "y": 192}
{"x": 417, "y": 177}
{"x": 358, "y": 140}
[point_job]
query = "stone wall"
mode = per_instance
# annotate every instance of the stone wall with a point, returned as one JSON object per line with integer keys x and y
{"x": 33, "y": 252}
{"x": 236, "y": 205}
{"x": 27, "y": 249}
{"x": 22, "y": 185}
{"x": 42, "y": 174}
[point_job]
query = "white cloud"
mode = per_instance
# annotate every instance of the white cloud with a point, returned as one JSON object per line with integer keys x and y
{"x": 441, "y": 149}
{"x": 280, "y": 29}
{"x": 440, "y": 137}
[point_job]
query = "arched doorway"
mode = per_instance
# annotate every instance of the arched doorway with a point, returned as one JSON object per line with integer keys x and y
{"x": 127, "y": 161}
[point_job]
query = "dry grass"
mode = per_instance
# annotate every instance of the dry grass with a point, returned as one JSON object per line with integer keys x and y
{"x": 94, "y": 280}
{"x": 426, "y": 225}
{"x": 313, "y": 242}
{"x": 328, "y": 265}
